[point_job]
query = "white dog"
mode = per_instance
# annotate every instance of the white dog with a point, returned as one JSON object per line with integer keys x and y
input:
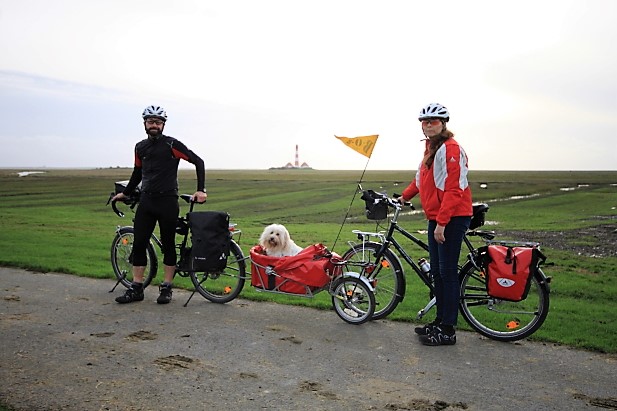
{"x": 275, "y": 241}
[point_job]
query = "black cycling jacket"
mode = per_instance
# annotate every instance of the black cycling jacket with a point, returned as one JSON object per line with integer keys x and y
{"x": 156, "y": 166}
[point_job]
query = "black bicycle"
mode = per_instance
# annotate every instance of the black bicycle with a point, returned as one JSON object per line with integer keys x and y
{"x": 219, "y": 286}
{"x": 492, "y": 317}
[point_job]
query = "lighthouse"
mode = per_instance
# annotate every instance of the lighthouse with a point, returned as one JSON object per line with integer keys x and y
{"x": 296, "y": 163}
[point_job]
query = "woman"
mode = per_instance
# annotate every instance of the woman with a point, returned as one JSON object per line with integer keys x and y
{"x": 441, "y": 180}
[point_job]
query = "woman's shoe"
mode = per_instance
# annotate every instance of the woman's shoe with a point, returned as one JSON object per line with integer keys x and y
{"x": 438, "y": 336}
{"x": 426, "y": 329}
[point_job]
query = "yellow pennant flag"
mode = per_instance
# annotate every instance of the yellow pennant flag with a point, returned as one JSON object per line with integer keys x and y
{"x": 363, "y": 145}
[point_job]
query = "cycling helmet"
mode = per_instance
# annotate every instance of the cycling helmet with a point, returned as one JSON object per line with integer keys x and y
{"x": 154, "y": 111}
{"x": 434, "y": 110}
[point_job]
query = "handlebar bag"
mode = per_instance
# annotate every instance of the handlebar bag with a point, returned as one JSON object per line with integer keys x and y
{"x": 211, "y": 240}
{"x": 310, "y": 268}
{"x": 374, "y": 205}
{"x": 509, "y": 271}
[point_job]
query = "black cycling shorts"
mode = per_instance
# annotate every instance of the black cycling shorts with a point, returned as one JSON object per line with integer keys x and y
{"x": 151, "y": 210}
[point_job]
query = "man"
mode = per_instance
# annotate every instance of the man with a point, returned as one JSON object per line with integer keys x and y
{"x": 156, "y": 167}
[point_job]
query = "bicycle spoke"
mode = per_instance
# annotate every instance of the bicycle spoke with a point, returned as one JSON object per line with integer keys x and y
{"x": 500, "y": 319}
{"x": 121, "y": 258}
{"x": 223, "y": 286}
{"x": 352, "y": 300}
{"x": 385, "y": 276}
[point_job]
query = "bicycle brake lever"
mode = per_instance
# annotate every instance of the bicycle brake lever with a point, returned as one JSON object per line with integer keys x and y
{"x": 397, "y": 196}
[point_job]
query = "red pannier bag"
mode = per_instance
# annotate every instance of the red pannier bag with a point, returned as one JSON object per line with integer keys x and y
{"x": 509, "y": 270}
{"x": 311, "y": 268}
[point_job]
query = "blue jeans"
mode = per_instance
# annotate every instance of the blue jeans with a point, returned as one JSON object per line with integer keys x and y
{"x": 444, "y": 267}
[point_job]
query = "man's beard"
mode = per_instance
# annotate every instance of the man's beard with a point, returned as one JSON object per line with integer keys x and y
{"x": 154, "y": 133}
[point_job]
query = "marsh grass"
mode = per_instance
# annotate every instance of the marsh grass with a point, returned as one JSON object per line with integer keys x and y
{"x": 58, "y": 221}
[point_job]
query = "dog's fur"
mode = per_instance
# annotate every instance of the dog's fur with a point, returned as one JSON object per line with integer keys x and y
{"x": 275, "y": 241}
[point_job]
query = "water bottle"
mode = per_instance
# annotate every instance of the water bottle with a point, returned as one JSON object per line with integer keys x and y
{"x": 424, "y": 265}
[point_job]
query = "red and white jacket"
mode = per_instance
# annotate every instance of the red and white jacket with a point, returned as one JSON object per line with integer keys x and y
{"x": 443, "y": 187}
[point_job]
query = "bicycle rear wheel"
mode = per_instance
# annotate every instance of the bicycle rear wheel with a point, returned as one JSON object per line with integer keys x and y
{"x": 386, "y": 275}
{"x": 352, "y": 300}
{"x": 223, "y": 286}
{"x": 499, "y": 319}
{"x": 122, "y": 258}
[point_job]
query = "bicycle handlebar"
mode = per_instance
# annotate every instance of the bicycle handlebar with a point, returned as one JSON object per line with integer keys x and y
{"x": 393, "y": 201}
{"x": 115, "y": 207}
{"x": 133, "y": 202}
{"x": 396, "y": 196}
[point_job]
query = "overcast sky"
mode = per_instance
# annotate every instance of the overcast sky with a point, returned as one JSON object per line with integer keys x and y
{"x": 530, "y": 85}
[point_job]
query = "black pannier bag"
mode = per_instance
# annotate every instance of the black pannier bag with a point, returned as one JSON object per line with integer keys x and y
{"x": 210, "y": 239}
{"x": 376, "y": 207}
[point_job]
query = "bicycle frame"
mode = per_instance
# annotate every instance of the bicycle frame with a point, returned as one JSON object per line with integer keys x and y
{"x": 387, "y": 240}
{"x": 501, "y": 319}
{"x": 182, "y": 244}
{"x": 181, "y": 223}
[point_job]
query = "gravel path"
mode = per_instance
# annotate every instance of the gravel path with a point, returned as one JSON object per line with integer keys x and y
{"x": 66, "y": 345}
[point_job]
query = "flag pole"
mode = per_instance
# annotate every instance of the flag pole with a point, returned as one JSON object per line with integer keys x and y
{"x": 357, "y": 188}
{"x": 363, "y": 145}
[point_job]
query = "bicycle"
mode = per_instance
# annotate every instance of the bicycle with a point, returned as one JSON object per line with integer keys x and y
{"x": 494, "y": 318}
{"x": 218, "y": 287}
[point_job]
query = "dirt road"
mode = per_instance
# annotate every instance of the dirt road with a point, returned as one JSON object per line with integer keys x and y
{"x": 66, "y": 345}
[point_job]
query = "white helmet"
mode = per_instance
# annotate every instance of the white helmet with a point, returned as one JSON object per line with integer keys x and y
{"x": 154, "y": 111}
{"x": 434, "y": 110}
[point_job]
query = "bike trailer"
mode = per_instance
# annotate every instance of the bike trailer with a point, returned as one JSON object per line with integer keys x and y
{"x": 509, "y": 269}
{"x": 210, "y": 240}
{"x": 309, "y": 270}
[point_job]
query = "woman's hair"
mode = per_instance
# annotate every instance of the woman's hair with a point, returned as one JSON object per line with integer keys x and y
{"x": 434, "y": 144}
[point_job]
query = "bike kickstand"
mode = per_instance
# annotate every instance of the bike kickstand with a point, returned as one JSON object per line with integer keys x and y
{"x": 113, "y": 289}
{"x": 190, "y": 296}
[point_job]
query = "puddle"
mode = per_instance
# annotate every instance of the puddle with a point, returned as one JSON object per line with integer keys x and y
{"x": 27, "y": 173}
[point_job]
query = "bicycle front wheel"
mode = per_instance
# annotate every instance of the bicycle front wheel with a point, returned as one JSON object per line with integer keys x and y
{"x": 122, "y": 258}
{"x": 225, "y": 285}
{"x": 353, "y": 300}
{"x": 385, "y": 275}
{"x": 499, "y": 319}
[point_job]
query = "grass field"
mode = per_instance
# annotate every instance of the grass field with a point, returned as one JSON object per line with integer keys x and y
{"x": 58, "y": 221}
